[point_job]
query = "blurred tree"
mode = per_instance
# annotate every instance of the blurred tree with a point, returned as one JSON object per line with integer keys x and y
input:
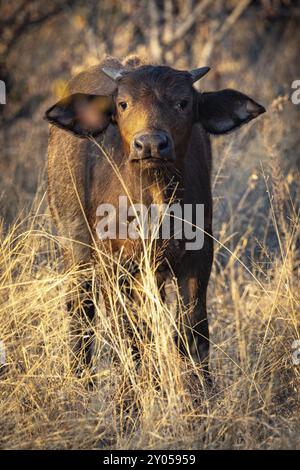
{"x": 16, "y": 19}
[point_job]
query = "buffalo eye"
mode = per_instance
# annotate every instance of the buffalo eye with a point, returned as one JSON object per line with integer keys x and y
{"x": 182, "y": 104}
{"x": 122, "y": 105}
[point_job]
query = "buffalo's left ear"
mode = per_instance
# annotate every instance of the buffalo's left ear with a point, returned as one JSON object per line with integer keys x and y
{"x": 223, "y": 111}
{"x": 83, "y": 115}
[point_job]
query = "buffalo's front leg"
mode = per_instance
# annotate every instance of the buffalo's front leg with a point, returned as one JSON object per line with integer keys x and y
{"x": 197, "y": 332}
{"x": 82, "y": 316}
{"x": 193, "y": 286}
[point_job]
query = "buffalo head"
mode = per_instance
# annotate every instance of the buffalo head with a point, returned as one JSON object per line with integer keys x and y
{"x": 155, "y": 108}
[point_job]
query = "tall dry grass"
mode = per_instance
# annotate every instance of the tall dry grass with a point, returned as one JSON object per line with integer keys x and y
{"x": 146, "y": 395}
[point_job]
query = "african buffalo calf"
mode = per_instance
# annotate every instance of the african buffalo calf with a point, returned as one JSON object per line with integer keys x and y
{"x": 155, "y": 126}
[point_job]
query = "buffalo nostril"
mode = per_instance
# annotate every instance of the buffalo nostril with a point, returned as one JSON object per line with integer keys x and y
{"x": 163, "y": 144}
{"x": 138, "y": 144}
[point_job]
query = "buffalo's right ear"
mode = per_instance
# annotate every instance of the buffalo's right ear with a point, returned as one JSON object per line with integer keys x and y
{"x": 83, "y": 115}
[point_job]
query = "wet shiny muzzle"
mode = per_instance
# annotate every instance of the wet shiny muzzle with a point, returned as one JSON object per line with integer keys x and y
{"x": 152, "y": 148}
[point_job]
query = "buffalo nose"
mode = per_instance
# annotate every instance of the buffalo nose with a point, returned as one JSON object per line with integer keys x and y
{"x": 152, "y": 145}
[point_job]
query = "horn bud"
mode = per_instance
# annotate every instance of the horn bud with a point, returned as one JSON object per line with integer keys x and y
{"x": 196, "y": 74}
{"x": 114, "y": 74}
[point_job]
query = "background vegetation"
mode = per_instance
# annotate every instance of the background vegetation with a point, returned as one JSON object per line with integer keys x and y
{"x": 254, "y": 290}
